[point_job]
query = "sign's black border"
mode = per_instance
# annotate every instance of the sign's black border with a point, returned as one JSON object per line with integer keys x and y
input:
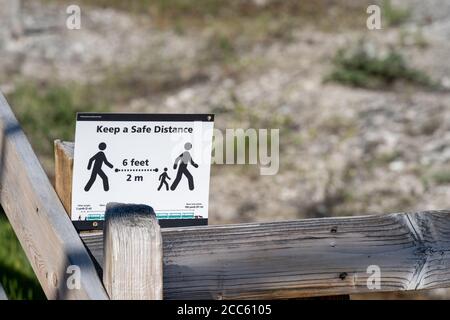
{"x": 91, "y": 116}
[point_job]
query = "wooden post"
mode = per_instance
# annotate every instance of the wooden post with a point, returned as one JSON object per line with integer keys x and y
{"x": 132, "y": 253}
{"x": 63, "y": 172}
{"x": 38, "y": 218}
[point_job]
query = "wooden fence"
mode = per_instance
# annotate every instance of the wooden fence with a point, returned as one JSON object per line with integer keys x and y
{"x": 291, "y": 259}
{"x": 38, "y": 217}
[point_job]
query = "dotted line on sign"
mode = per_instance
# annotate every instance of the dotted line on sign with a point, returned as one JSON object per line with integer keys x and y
{"x": 136, "y": 170}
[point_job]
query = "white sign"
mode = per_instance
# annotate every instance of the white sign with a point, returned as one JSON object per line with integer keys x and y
{"x": 162, "y": 160}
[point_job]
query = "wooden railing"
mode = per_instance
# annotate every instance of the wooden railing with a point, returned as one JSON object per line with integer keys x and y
{"x": 38, "y": 217}
{"x": 303, "y": 258}
{"x": 291, "y": 259}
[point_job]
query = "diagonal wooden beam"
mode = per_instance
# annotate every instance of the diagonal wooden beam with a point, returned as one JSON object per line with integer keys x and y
{"x": 39, "y": 219}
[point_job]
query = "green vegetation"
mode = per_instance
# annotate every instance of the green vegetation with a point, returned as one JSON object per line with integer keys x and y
{"x": 47, "y": 112}
{"x": 358, "y": 68}
{"x": 387, "y": 157}
{"x": 275, "y": 18}
{"x": 394, "y": 16}
{"x": 16, "y": 275}
{"x": 213, "y": 9}
{"x": 221, "y": 48}
{"x": 441, "y": 177}
{"x": 415, "y": 38}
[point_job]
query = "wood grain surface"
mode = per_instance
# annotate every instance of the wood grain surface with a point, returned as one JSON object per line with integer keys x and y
{"x": 39, "y": 219}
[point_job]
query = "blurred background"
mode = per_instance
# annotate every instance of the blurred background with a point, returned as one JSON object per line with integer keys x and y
{"x": 364, "y": 115}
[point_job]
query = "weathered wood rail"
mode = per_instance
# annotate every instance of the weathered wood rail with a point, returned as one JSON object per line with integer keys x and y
{"x": 316, "y": 257}
{"x": 304, "y": 258}
{"x": 38, "y": 217}
{"x": 290, "y": 259}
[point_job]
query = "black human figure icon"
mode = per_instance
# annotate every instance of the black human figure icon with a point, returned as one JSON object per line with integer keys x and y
{"x": 184, "y": 159}
{"x": 162, "y": 177}
{"x": 98, "y": 159}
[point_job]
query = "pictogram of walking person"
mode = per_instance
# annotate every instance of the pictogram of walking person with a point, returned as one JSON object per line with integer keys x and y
{"x": 184, "y": 159}
{"x": 162, "y": 177}
{"x": 98, "y": 159}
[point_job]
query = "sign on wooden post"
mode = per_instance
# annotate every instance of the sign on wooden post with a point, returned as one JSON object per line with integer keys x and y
{"x": 162, "y": 160}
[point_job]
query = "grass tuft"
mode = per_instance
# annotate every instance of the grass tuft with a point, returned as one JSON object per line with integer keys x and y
{"x": 394, "y": 16}
{"x": 48, "y": 112}
{"x": 358, "y": 68}
{"x": 441, "y": 177}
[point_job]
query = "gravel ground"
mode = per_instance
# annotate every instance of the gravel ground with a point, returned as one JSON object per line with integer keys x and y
{"x": 343, "y": 150}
